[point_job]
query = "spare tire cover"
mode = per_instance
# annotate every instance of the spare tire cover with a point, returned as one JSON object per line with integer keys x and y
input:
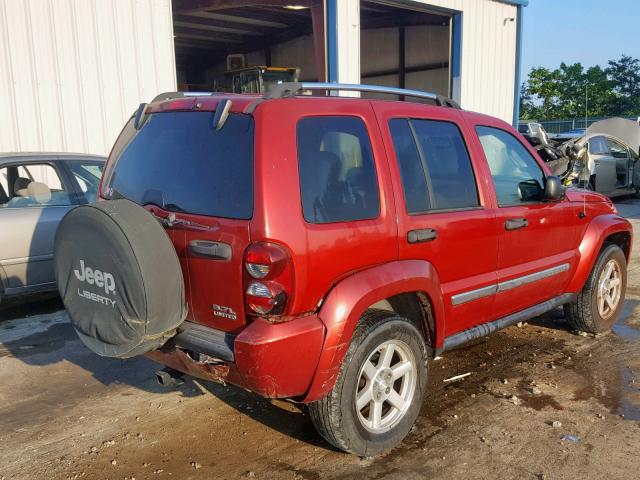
{"x": 119, "y": 278}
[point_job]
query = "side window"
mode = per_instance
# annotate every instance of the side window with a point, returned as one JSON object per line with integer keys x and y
{"x": 517, "y": 177}
{"x": 617, "y": 149}
{"x": 87, "y": 174}
{"x": 434, "y": 165}
{"x": 412, "y": 175}
{"x": 4, "y": 187}
{"x": 337, "y": 172}
{"x": 598, "y": 146}
{"x": 32, "y": 185}
{"x": 448, "y": 165}
{"x": 4, "y": 182}
{"x": 250, "y": 83}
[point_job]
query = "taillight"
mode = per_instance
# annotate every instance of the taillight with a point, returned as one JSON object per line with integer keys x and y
{"x": 268, "y": 278}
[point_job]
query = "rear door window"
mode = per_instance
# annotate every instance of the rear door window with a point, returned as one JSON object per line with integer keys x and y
{"x": 338, "y": 179}
{"x": 434, "y": 165}
{"x": 412, "y": 173}
{"x": 179, "y": 162}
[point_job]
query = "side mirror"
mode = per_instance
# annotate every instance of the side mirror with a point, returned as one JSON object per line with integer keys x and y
{"x": 530, "y": 191}
{"x": 553, "y": 189}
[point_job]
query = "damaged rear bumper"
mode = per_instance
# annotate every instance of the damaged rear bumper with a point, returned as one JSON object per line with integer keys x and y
{"x": 273, "y": 360}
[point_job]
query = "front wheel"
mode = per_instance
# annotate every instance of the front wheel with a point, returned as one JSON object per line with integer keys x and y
{"x": 379, "y": 390}
{"x": 600, "y": 301}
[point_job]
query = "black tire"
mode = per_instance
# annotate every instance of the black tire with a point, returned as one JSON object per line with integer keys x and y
{"x": 335, "y": 416}
{"x": 583, "y": 314}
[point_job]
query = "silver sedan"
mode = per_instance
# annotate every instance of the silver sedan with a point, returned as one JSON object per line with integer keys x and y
{"x": 36, "y": 191}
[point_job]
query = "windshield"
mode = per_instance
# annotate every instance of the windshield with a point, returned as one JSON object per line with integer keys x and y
{"x": 270, "y": 78}
{"x": 179, "y": 162}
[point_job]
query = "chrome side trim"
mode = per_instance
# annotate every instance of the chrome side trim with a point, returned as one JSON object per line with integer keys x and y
{"x": 532, "y": 277}
{"x": 20, "y": 260}
{"x": 472, "y": 295}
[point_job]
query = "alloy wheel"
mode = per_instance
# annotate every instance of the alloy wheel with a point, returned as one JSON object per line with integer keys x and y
{"x": 386, "y": 386}
{"x": 609, "y": 289}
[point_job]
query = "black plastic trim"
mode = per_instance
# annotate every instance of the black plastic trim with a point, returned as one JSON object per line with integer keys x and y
{"x": 490, "y": 327}
{"x": 202, "y": 339}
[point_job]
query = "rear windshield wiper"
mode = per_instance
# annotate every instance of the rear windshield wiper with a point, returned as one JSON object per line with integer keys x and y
{"x": 170, "y": 221}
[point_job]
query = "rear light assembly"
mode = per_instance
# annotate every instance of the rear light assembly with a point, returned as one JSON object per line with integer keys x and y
{"x": 268, "y": 279}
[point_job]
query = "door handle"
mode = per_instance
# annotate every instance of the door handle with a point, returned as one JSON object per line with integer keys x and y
{"x": 214, "y": 250}
{"x": 516, "y": 223}
{"x": 421, "y": 235}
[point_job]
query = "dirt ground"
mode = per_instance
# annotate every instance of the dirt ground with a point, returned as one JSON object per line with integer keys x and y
{"x": 541, "y": 402}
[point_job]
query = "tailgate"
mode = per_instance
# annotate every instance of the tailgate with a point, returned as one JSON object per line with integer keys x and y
{"x": 199, "y": 179}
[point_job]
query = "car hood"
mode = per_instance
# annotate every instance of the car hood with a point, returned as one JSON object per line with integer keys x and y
{"x": 588, "y": 196}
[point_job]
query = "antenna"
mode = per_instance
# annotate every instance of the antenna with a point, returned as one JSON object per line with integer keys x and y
{"x": 586, "y": 153}
{"x": 586, "y": 106}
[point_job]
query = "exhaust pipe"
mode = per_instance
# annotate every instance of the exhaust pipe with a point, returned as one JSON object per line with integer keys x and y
{"x": 169, "y": 377}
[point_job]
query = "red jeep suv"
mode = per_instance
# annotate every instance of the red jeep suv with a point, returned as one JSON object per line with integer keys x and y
{"x": 323, "y": 248}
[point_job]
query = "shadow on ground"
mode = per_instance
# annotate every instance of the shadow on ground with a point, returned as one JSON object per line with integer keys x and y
{"x": 50, "y": 339}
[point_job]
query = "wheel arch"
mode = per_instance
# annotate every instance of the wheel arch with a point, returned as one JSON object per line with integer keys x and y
{"x": 602, "y": 230}
{"x": 404, "y": 284}
{"x": 621, "y": 239}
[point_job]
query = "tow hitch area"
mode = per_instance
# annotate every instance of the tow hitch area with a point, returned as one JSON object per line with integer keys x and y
{"x": 170, "y": 378}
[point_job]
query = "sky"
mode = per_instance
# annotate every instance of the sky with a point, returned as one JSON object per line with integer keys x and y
{"x": 586, "y": 31}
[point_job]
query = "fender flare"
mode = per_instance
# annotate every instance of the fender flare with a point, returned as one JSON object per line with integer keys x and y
{"x": 347, "y": 301}
{"x": 600, "y": 228}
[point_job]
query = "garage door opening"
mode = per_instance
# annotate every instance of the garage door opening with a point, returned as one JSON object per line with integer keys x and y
{"x": 225, "y": 46}
{"x": 405, "y": 47}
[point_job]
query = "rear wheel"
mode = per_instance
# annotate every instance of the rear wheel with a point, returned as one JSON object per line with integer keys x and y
{"x": 599, "y": 303}
{"x": 380, "y": 388}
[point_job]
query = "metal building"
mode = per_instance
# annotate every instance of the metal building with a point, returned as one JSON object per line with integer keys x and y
{"x": 73, "y": 71}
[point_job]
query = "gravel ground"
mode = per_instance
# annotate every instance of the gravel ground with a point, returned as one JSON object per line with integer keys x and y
{"x": 541, "y": 402}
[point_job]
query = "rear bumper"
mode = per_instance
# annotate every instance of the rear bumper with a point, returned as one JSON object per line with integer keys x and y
{"x": 273, "y": 360}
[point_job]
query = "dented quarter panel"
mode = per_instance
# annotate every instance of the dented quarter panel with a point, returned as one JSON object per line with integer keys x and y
{"x": 279, "y": 359}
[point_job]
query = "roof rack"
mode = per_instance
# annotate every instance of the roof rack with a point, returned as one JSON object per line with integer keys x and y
{"x": 291, "y": 89}
{"x": 172, "y": 95}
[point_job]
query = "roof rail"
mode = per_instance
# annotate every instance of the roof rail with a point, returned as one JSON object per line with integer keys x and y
{"x": 290, "y": 89}
{"x": 172, "y": 95}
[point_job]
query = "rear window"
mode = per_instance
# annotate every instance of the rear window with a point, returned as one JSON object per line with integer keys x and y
{"x": 338, "y": 180}
{"x": 179, "y": 162}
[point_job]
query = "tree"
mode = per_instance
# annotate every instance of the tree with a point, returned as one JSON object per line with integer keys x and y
{"x": 625, "y": 75}
{"x": 570, "y": 91}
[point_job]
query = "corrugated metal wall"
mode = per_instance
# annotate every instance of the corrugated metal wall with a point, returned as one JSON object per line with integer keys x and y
{"x": 73, "y": 71}
{"x": 488, "y": 55}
